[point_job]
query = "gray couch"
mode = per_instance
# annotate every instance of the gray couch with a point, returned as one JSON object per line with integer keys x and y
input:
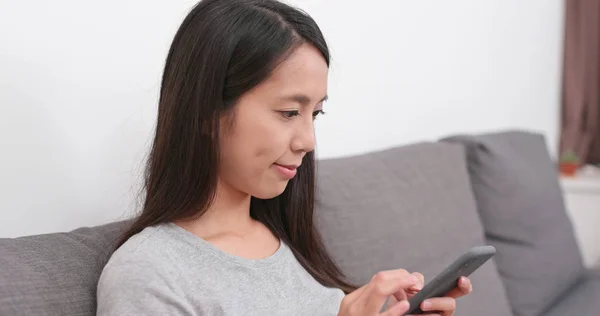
{"x": 416, "y": 207}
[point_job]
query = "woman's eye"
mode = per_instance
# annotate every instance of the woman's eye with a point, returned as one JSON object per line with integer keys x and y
{"x": 316, "y": 113}
{"x": 290, "y": 114}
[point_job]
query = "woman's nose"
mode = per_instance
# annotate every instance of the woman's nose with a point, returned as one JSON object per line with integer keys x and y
{"x": 304, "y": 140}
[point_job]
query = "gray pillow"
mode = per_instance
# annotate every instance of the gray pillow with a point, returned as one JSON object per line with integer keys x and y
{"x": 521, "y": 206}
{"x": 581, "y": 300}
{"x": 408, "y": 207}
{"x": 55, "y": 274}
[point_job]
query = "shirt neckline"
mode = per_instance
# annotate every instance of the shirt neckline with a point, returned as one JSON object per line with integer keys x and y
{"x": 213, "y": 250}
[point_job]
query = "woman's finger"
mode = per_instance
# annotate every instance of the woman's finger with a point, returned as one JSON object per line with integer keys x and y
{"x": 439, "y": 304}
{"x": 397, "y": 309}
{"x": 463, "y": 288}
{"x": 419, "y": 286}
{"x": 413, "y": 290}
{"x": 403, "y": 292}
{"x": 382, "y": 285}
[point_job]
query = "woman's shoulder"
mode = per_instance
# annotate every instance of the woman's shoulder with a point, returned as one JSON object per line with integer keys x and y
{"x": 139, "y": 255}
{"x": 145, "y": 245}
{"x": 156, "y": 250}
{"x": 139, "y": 275}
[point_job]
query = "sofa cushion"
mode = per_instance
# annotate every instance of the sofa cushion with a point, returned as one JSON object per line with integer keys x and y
{"x": 408, "y": 207}
{"x": 521, "y": 206}
{"x": 54, "y": 274}
{"x": 583, "y": 299}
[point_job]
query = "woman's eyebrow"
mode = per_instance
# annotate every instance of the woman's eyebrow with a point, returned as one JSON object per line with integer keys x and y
{"x": 302, "y": 98}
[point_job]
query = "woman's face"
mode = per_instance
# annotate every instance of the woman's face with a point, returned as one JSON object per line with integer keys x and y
{"x": 273, "y": 126}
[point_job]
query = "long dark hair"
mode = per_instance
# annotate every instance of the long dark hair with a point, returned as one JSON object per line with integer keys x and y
{"x": 222, "y": 49}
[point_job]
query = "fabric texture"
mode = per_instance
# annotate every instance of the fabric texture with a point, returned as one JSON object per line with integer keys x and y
{"x": 54, "y": 274}
{"x": 166, "y": 270}
{"x": 521, "y": 206}
{"x": 583, "y": 299}
{"x": 408, "y": 207}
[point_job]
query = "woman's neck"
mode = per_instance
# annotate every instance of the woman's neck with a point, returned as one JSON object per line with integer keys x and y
{"x": 228, "y": 226}
{"x": 228, "y": 214}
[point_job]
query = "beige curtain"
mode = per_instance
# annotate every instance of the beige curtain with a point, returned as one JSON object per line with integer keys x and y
{"x": 581, "y": 83}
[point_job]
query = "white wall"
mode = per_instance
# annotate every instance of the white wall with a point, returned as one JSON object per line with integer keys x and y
{"x": 79, "y": 82}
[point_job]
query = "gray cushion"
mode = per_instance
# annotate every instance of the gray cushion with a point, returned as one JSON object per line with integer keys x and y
{"x": 408, "y": 207}
{"x": 54, "y": 274}
{"x": 583, "y": 299}
{"x": 520, "y": 203}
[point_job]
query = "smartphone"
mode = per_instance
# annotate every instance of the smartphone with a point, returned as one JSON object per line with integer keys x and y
{"x": 448, "y": 279}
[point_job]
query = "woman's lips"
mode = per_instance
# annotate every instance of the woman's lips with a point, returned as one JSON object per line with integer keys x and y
{"x": 288, "y": 171}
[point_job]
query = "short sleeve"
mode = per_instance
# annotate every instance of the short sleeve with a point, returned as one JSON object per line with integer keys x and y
{"x": 139, "y": 288}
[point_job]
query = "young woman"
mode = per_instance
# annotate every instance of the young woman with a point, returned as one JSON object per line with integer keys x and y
{"x": 227, "y": 224}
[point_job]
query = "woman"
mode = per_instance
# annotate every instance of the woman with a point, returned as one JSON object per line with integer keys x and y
{"x": 227, "y": 223}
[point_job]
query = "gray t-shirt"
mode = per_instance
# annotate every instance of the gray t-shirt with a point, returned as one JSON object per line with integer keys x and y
{"x": 166, "y": 270}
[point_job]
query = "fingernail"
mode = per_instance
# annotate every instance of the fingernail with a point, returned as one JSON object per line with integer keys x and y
{"x": 417, "y": 287}
{"x": 426, "y": 304}
{"x": 414, "y": 279}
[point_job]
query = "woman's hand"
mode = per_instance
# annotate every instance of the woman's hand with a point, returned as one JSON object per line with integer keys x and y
{"x": 369, "y": 299}
{"x": 445, "y": 306}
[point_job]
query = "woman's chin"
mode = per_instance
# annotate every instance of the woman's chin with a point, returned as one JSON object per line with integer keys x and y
{"x": 271, "y": 192}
